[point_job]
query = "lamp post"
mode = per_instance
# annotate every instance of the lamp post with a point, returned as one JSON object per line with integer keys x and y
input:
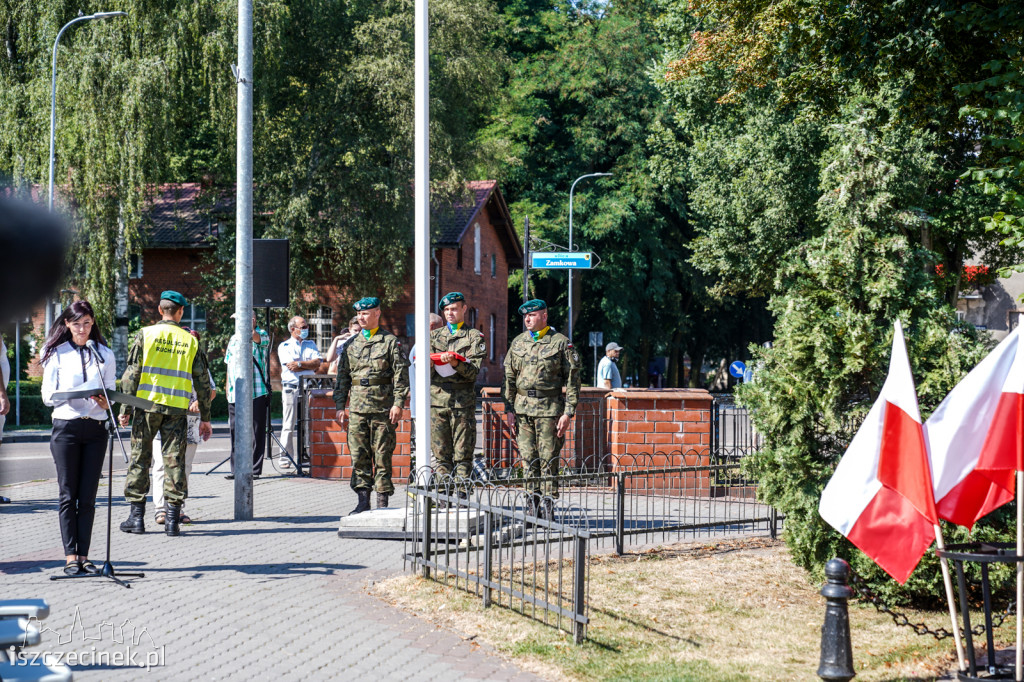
{"x": 53, "y": 113}
{"x": 571, "y": 190}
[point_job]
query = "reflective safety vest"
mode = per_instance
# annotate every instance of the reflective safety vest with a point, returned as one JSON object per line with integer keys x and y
{"x": 167, "y": 355}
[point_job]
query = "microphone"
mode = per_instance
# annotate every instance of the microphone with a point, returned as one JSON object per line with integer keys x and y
{"x": 91, "y": 345}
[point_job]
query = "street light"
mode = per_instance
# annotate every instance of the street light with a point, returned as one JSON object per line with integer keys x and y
{"x": 53, "y": 112}
{"x": 571, "y": 190}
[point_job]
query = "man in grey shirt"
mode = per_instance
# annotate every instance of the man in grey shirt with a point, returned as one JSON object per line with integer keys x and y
{"x": 607, "y": 373}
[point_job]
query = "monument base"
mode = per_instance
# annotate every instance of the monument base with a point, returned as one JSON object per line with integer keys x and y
{"x": 390, "y": 524}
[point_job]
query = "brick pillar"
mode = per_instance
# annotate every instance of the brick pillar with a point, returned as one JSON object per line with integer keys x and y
{"x": 660, "y": 428}
{"x": 328, "y": 445}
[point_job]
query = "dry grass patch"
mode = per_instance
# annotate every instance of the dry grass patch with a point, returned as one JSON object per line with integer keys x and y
{"x": 735, "y": 610}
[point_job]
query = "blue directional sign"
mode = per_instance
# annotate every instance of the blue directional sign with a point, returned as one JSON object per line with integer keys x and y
{"x": 737, "y": 369}
{"x": 582, "y": 260}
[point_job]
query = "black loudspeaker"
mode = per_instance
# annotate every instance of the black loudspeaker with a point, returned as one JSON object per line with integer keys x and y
{"x": 269, "y": 273}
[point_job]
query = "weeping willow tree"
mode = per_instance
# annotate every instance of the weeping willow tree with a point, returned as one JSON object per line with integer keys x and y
{"x": 125, "y": 89}
{"x": 151, "y": 99}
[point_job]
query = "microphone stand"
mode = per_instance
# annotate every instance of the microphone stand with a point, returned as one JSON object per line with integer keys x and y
{"x": 108, "y": 568}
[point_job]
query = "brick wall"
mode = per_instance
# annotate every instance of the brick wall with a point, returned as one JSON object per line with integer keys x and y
{"x": 329, "y": 456}
{"x": 664, "y": 428}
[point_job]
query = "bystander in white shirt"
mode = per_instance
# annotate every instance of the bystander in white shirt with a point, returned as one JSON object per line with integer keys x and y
{"x": 71, "y": 367}
{"x": 293, "y": 350}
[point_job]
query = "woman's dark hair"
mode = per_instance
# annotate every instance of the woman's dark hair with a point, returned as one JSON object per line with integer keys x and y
{"x": 59, "y": 332}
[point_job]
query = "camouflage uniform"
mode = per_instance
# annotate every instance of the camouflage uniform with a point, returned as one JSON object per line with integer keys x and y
{"x": 374, "y": 372}
{"x": 535, "y": 373}
{"x": 453, "y": 400}
{"x": 170, "y": 422}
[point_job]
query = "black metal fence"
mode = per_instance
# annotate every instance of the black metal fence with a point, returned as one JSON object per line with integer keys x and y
{"x": 654, "y": 498}
{"x": 732, "y": 430}
{"x": 494, "y": 537}
{"x": 503, "y": 545}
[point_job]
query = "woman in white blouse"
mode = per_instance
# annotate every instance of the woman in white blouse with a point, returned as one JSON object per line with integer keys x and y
{"x": 79, "y": 439}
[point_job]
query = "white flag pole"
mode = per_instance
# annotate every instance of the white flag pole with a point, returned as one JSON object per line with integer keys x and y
{"x": 422, "y": 236}
{"x": 1020, "y": 572}
{"x": 949, "y": 598}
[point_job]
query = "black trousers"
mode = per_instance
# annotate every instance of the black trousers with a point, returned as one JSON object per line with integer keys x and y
{"x": 259, "y": 425}
{"x": 78, "y": 447}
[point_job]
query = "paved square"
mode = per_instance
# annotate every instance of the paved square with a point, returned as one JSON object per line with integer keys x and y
{"x": 279, "y": 597}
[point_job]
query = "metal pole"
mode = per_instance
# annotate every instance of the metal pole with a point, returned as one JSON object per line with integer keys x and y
{"x": 17, "y": 373}
{"x": 243, "y": 269}
{"x": 526, "y": 259}
{"x": 571, "y": 190}
{"x": 422, "y": 235}
{"x": 53, "y": 122}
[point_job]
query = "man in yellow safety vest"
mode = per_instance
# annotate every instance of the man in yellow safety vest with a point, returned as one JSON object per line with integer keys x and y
{"x": 165, "y": 364}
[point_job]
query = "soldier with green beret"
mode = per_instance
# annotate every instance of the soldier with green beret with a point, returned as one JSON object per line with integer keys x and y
{"x": 165, "y": 364}
{"x": 541, "y": 363}
{"x": 453, "y": 388}
{"x": 373, "y": 380}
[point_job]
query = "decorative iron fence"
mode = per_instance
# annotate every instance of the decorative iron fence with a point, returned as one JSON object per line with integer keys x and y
{"x": 504, "y": 545}
{"x": 309, "y": 386}
{"x": 732, "y": 430}
{"x": 654, "y": 498}
{"x": 507, "y": 544}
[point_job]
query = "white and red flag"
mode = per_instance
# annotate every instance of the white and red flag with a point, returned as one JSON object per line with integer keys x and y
{"x": 975, "y": 437}
{"x": 443, "y": 367}
{"x": 880, "y": 496}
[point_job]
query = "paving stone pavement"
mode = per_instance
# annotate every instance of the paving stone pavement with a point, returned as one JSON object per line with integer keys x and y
{"x": 279, "y": 597}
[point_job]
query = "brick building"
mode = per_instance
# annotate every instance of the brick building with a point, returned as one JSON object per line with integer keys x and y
{"x": 475, "y": 247}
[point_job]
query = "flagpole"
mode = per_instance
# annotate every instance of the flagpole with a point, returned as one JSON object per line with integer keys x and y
{"x": 949, "y": 598}
{"x": 1020, "y": 571}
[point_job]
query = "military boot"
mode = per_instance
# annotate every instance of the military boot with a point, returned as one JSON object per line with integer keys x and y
{"x": 136, "y": 521}
{"x": 532, "y": 505}
{"x": 382, "y": 500}
{"x": 364, "y": 501}
{"x": 172, "y": 526}
{"x": 547, "y": 509}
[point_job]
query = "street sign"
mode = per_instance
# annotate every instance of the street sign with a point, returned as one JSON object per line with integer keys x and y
{"x": 596, "y": 339}
{"x": 582, "y": 260}
{"x": 737, "y": 368}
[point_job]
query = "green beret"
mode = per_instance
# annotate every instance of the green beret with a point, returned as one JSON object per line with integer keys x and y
{"x": 532, "y": 306}
{"x": 367, "y": 303}
{"x": 173, "y": 297}
{"x": 453, "y": 297}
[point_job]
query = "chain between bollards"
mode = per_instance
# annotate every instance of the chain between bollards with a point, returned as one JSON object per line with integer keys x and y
{"x": 836, "y": 662}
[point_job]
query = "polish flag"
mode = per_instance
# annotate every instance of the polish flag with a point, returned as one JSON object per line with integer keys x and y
{"x": 880, "y": 496}
{"x": 975, "y": 437}
{"x": 443, "y": 368}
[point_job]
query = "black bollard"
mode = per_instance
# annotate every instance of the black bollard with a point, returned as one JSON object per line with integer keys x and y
{"x": 836, "y": 650}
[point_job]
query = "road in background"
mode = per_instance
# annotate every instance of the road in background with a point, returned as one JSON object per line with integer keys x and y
{"x": 21, "y": 462}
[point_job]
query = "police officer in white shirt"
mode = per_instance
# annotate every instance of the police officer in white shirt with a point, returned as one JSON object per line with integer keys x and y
{"x": 299, "y": 357}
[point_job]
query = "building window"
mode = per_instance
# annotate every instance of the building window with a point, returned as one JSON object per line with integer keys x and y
{"x": 476, "y": 248}
{"x": 490, "y": 340}
{"x": 471, "y": 317}
{"x": 322, "y": 328}
{"x": 194, "y": 317}
{"x": 494, "y": 265}
{"x": 135, "y": 266}
{"x": 458, "y": 257}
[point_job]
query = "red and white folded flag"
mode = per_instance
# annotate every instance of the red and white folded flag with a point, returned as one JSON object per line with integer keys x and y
{"x": 444, "y": 368}
{"x": 880, "y": 496}
{"x": 976, "y": 436}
